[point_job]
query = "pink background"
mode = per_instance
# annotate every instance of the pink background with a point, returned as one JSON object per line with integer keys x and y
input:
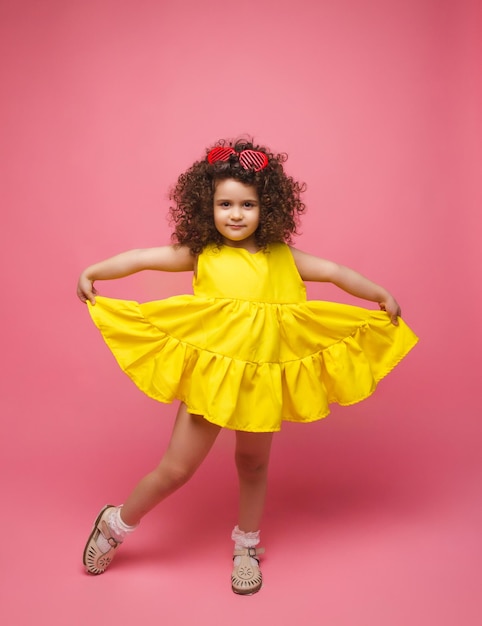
{"x": 374, "y": 515}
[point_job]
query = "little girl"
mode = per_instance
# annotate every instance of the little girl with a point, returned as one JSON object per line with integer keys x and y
{"x": 247, "y": 350}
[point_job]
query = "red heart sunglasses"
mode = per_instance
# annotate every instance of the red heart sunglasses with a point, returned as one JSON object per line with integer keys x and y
{"x": 249, "y": 159}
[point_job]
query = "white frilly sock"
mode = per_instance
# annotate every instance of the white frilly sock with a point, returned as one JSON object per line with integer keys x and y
{"x": 118, "y": 528}
{"x": 244, "y": 540}
{"x": 117, "y": 525}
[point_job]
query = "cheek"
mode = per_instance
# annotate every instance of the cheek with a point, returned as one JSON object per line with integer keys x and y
{"x": 216, "y": 218}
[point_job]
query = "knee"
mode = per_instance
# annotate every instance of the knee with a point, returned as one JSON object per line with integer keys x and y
{"x": 173, "y": 475}
{"x": 251, "y": 466}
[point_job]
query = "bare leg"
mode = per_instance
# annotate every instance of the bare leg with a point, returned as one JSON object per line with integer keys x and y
{"x": 252, "y": 459}
{"x": 191, "y": 440}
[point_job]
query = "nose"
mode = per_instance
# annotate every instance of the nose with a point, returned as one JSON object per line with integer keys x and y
{"x": 236, "y": 213}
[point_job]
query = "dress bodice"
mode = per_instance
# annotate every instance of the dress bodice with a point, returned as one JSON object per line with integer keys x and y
{"x": 234, "y": 273}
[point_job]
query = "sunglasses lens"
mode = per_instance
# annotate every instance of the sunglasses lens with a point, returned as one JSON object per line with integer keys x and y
{"x": 249, "y": 159}
{"x": 220, "y": 154}
{"x": 254, "y": 160}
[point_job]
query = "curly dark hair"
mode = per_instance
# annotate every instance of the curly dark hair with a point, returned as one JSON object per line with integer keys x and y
{"x": 193, "y": 214}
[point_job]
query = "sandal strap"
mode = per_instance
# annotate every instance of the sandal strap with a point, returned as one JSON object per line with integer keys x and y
{"x": 253, "y": 552}
{"x": 106, "y": 532}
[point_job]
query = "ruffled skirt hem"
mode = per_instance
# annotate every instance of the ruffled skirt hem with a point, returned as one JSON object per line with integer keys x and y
{"x": 251, "y": 372}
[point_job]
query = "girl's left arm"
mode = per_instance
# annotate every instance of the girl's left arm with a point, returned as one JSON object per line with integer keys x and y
{"x": 312, "y": 268}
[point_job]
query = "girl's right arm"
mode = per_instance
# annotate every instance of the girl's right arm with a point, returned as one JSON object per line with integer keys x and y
{"x": 164, "y": 258}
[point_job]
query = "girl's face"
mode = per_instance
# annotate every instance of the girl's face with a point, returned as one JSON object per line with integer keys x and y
{"x": 236, "y": 213}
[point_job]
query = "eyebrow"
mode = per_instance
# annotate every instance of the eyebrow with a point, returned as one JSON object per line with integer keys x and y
{"x": 230, "y": 200}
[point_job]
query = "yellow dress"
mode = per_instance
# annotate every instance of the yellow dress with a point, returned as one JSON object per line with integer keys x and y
{"x": 247, "y": 350}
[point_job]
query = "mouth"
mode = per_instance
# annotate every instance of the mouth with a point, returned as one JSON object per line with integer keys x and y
{"x": 235, "y": 226}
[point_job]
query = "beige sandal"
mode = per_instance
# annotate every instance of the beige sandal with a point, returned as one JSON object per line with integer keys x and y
{"x": 96, "y": 561}
{"x": 246, "y": 578}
